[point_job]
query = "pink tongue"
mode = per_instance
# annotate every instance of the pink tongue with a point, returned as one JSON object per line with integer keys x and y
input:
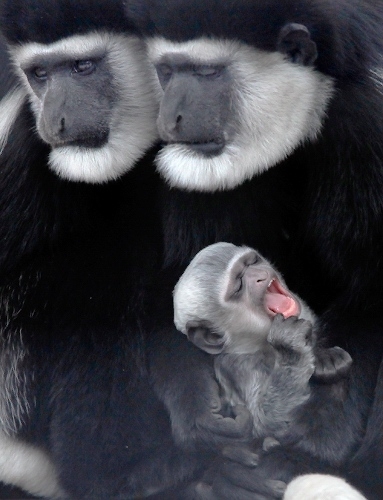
{"x": 279, "y": 303}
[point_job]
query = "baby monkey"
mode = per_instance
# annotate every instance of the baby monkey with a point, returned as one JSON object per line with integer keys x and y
{"x": 233, "y": 304}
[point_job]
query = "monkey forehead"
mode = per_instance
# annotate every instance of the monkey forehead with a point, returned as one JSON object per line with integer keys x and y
{"x": 220, "y": 250}
{"x": 93, "y": 44}
{"x": 235, "y": 266}
{"x": 202, "y": 51}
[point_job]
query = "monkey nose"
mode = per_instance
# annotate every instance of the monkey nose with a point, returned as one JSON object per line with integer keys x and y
{"x": 258, "y": 276}
{"x": 169, "y": 126}
{"x": 62, "y": 125}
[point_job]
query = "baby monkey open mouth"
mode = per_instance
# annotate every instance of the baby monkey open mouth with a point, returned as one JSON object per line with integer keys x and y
{"x": 278, "y": 300}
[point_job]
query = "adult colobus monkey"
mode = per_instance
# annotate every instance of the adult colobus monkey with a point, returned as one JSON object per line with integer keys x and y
{"x": 76, "y": 257}
{"x": 292, "y": 87}
{"x": 76, "y": 85}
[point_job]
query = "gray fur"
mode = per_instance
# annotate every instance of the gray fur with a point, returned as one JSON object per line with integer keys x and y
{"x": 261, "y": 361}
{"x": 273, "y": 381}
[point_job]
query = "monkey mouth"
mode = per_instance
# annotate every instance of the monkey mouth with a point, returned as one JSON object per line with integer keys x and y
{"x": 207, "y": 148}
{"x": 279, "y": 301}
{"x": 92, "y": 141}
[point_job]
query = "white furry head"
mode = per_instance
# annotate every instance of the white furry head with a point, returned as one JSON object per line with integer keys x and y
{"x": 201, "y": 293}
{"x": 133, "y": 118}
{"x": 277, "y": 105}
{"x": 198, "y": 295}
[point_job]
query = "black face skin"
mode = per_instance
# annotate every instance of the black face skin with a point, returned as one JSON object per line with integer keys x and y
{"x": 196, "y": 105}
{"x": 64, "y": 87}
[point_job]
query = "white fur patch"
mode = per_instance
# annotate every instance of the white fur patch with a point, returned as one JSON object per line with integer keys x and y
{"x": 376, "y": 75}
{"x": 321, "y": 487}
{"x": 9, "y": 109}
{"x": 280, "y": 105}
{"x": 28, "y": 467}
{"x": 133, "y": 124}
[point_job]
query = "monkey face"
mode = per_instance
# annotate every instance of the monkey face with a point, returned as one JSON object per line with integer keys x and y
{"x": 256, "y": 285}
{"x": 227, "y": 298}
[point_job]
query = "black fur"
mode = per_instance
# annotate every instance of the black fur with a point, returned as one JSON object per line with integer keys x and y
{"x": 7, "y": 79}
{"x": 77, "y": 262}
{"x": 47, "y": 22}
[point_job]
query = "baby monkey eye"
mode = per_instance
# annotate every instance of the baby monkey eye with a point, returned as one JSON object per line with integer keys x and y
{"x": 84, "y": 67}
{"x": 239, "y": 284}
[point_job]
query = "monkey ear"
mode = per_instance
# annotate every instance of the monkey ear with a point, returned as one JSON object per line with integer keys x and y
{"x": 295, "y": 42}
{"x": 202, "y": 334}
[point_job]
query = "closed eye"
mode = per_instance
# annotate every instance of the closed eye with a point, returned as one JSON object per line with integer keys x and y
{"x": 84, "y": 67}
{"x": 239, "y": 281}
{"x": 208, "y": 71}
{"x": 39, "y": 73}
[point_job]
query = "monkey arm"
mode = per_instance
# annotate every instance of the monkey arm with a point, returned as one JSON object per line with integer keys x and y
{"x": 288, "y": 385}
{"x": 274, "y": 381}
{"x": 327, "y": 430}
{"x": 331, "y": 364}
{"x": 322, "y": 437}
{"x": 183, "y": 378}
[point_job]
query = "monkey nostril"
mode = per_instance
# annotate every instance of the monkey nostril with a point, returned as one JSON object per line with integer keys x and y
{"x": 178, "y": 119}
{"x": 62, "y": 124}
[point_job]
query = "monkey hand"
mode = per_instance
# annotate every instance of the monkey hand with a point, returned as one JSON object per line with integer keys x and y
{"x": 291, "y": 333}
{"x": 239, "y": 474}
{"x": 199, "y": 422}
{"x": 331, "y": 364}
{"x": 218, "y": 431}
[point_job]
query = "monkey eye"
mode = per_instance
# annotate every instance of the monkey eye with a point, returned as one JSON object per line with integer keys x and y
{"x": 208, "y": 71}
{"x": 40, "y": 73}
{"x": 240, "y": 284}
{"x": 164, "y": 73}
{"x": 84, "y": 67}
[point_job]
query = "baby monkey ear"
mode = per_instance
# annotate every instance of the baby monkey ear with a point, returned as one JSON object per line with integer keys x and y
{"x": 204, "y": 336}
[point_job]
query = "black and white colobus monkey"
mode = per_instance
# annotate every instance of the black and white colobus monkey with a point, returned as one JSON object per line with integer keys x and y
{"x": 231, "y": 302}
{"x": 61, "y": 73}
{"x": 291, "y": 90}
{"x": 78, "y": 244}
